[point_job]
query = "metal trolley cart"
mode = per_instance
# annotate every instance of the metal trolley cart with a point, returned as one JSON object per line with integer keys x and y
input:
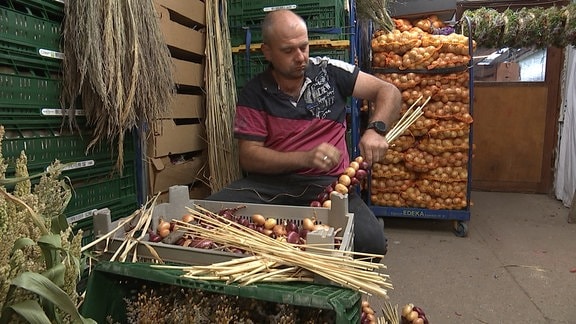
{"x": 460, "y": 215}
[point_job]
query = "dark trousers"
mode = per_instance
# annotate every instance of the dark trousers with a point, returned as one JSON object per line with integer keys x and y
{"x": 299, "y": 190}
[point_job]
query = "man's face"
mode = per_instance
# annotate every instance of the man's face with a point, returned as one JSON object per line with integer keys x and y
{"x": 288, "y": 51}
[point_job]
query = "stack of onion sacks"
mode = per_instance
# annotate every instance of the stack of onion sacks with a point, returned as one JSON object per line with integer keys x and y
{"x": 353, "y": 176}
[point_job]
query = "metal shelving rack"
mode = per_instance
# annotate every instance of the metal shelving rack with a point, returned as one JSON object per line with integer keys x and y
{"x": 460, "y": 217}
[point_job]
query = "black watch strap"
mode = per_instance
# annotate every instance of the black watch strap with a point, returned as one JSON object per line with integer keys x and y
{"x": 378, "y": 126}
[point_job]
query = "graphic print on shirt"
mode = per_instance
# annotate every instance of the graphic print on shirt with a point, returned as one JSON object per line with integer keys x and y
{"x": 319, "y": 95}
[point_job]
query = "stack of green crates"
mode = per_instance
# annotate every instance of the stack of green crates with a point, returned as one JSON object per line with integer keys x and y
{"x": 111, "y": 284}
{"x": 327, "y": 20}
{"x": 30, "y": 111}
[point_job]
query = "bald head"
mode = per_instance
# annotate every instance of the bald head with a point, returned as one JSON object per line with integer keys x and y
{"x": 278, "y": 21}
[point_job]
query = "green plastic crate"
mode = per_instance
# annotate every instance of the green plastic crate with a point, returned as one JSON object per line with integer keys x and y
{"x": 42, "y": 147}
{"x": 28, "y": 83}
{"x": 26, "y": 33}
{"x": 245, "y": 68}
{"x": 103, "y": 191}
{"x": 111, "y": 282}
{"x": 326, "y": 19}
{"x": 49, "y": 9}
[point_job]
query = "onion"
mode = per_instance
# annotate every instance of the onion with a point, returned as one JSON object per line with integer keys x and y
{"x": 153, "y": 237}
{"x": 361, "y": 174}
{"x": 343, "y": 180}
{"x": 342, "y": 188}
{"x": 279, "y": 230}
{"x": 258, "y": 219}
{"x": 315, "y": 203}
{"x": 308, "y": 224}
{"x": 407, "y": 309}
{"x": 162, "y": 224}
{"x": 270, "y": 223}
{"x": 291, "y": 227}
{"x": 293, "y": 238}
{"x": 164, "y": 232}
{"x": 187, "y": 218}
{"x": 322, "y": 196}
{"x": 327, "y": 204}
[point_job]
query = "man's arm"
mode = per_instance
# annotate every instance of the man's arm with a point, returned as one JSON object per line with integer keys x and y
{"x": 387, "y": 101}
{"x": 256, "y": 158}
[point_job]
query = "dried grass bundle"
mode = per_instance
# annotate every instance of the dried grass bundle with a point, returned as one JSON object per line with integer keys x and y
{"x": 220, "y": 99}
{"x": 377, "y": 11}
{"x": 117, "y": 67}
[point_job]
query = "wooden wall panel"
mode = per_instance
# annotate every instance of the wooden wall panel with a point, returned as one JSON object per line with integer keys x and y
{"x": 509, "y": 133}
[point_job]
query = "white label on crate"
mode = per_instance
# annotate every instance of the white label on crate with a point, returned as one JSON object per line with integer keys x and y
{"x": 51, "y": 54}
{"x": 81, "y": 216}
{"x": 60, "y": 112}
{"x": 289, "y": 7}
{"x": 79, "y": 165}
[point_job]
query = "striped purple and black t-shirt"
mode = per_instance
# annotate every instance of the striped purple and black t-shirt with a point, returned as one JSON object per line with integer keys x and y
{"x": 266, "y": 114}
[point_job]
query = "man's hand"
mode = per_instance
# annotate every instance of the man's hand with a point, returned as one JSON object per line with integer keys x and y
{"x": 373, "y": 146}
{"x": 325, "y": 156}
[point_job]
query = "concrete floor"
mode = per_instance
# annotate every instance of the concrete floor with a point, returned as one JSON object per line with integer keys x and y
{"x": 517, "y": 264}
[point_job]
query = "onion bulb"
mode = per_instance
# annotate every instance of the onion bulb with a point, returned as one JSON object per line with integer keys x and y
{"x": 270, "y": 223}
{"x": 308, "y": 224}
{"x": 258, "y": 219}
{"x": 187, "y": 218}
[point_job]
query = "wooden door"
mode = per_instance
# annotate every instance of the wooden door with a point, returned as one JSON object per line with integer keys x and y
{"x": 515, "y": 132}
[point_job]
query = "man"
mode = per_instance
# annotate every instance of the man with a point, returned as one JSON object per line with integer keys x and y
{"x": 291, "y": 123}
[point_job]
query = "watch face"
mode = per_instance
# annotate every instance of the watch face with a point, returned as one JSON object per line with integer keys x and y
{"x": 378, "y": 126}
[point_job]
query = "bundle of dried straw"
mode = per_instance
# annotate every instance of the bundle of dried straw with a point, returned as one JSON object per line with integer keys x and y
{"x": 117, "y": 65}
{"x": 221, "y": 98}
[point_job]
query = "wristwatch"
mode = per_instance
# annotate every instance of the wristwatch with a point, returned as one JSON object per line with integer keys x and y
{"x": 378, "y": 126}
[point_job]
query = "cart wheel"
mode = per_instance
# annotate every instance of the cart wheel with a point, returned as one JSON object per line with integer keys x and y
{"x": 461, "y": 228}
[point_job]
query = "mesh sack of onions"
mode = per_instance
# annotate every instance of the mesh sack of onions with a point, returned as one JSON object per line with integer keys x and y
{"x": 437, "y": 146}
{"x": 410, "y": 96}
{"x": 446, "y": 174}
{"x": 392, "y": 171}
{"x": 452, "y": 93}
{"x": 402, "y": 24}
{"x": 402, "y": 81}
{"x": 387, "y": 60}
{"x": 454, "y": 79}
{"x": 402, "y": 143}
{"x": 440, "y": 110}
{"x": 392, "y": 157}
{"x": 422, "y": 126}
{"x": 455, "y": 43}
{"x": 415, "y": 198}
{"x": 389, "y": 185}
{"x": 449, "y": 60}
{"x": 388, "y": 199}
{"x": 453, "y": 159}
{"x": 449, "y": 129}
{"x": 442, "y": 189}
{"x": 448, "y": 203}
{"x": 419, "y": 161}
{"x": 419, "y": 58}
{"x": 429, "y": 24}
{"x": 396, "y": 41}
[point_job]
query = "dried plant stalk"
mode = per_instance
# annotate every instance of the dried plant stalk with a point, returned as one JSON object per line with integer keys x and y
{"x": 117, "y": 67}
{"x": 221, "y": 99}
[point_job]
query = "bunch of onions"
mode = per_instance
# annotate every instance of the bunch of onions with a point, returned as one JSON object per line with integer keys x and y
{"x": 354, "y": 174}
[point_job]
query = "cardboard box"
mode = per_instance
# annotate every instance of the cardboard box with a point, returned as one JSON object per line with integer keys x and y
{"x": 169, "y": 138}
{"x": 163, "y": 172}
{"x": 194, "y": 10}
{"x": 187, "y": 106}
{"x": 180, "y": 36}
{"x": 188, "y": 73}
{"x": 508, "y": 71}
